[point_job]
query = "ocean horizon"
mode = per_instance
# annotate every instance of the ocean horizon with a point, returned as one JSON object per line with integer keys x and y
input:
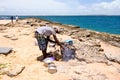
{"x": 101, "y": 23}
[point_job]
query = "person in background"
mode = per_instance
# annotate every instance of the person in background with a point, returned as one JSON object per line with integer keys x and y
{"x": 12, "y": 19}
{"x": 42, "y": 34}
{"x": 16, "y": 18}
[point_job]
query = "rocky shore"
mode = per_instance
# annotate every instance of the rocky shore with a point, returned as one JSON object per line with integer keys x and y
{"x": 97, "y": 54}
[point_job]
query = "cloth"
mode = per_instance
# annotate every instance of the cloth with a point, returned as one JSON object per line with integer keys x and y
{"x": 42, "y": 41}
{"x": 68, "y": 52}
{"x": 46, "y": 31}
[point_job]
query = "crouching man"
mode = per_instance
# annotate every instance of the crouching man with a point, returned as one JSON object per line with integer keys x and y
{"x": 42, "y": 34}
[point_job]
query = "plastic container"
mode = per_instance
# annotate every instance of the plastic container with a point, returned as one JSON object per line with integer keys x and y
{"x": 70, "y": 42}
{"x": 52, "y": 68}
{"x": 48, "y": 60}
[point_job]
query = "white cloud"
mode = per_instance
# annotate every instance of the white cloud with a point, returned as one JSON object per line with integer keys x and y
{"x": 58, "y": 7}
{"x": 106, "y": 8}
{"x": 35, "y": 7}
{"x": 2, "y": 9}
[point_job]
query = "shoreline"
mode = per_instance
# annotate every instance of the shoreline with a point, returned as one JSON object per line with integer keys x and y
{"x": 6, "y": 21}
{"x": 91, "y": 24}
{"x": 76, "y": 27}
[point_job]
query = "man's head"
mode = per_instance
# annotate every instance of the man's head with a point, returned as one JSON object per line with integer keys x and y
{"x": 56, "y": 29}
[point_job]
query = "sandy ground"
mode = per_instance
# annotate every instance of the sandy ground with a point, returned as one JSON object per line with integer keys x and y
{"x": 4, "y": 21}
{"x": 26, "y": 53}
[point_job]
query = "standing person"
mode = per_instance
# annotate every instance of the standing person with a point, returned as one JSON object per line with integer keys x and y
{"x": 16, "y": 18}
{"x": 42, "y": 34}
{"x": 12, "y": 19}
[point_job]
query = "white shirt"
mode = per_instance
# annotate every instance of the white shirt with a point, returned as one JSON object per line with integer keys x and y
{"x": 16, "y": 17}
{"x": 47, "y": 31}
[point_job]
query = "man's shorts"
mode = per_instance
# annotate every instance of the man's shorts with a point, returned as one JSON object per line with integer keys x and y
{"x": 42, "y": 41}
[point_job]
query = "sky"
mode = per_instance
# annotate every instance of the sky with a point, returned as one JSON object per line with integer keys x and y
{"x": 59, "y": 7}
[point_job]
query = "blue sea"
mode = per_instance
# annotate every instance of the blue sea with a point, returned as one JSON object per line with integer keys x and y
{"x": 108, "y": 24}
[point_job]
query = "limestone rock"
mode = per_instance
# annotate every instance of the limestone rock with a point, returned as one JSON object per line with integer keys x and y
{"x": 14, "y": 70}
{"x": 3, "y": 28}
{"x": 113, "y": 57}
{"x": 5, "y": 50}
{"x": 9, "y": 35}
{"x": 14, "y": 38}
